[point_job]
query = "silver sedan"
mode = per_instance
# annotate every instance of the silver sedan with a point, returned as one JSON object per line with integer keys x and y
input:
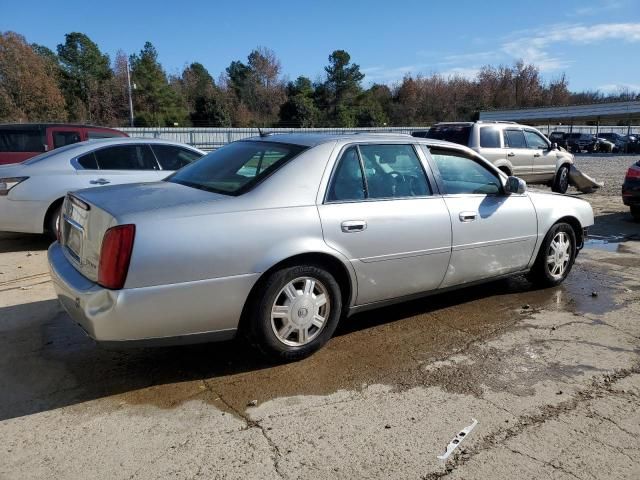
{"x": 279, "y": 237}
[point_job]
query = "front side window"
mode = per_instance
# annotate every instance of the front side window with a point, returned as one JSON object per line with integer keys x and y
{"x": 535, "y": 140}
{"x": 60, "y": 139}
{"x": 490, "y": 137}
{"x": 514, "y": 139}
{"x": 126, "y": 157}
{"x": 172, "y": 157}
{"x": 462, "y": 175}
{"x": 236, "y": 167}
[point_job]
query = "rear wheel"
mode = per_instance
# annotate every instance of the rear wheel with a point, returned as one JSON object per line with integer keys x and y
{"x": 635, "y": 213}
{"x": 295, "y": 313}
{"x": 53, "y": 223}
{"x": 556, "y": 256}
{"x": 561, "y": 182}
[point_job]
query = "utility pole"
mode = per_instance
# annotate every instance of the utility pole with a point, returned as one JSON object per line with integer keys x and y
{"x": 130, "y": 99}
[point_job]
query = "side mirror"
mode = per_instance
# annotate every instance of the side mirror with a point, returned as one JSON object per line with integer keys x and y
{"x": 515, "y": 185}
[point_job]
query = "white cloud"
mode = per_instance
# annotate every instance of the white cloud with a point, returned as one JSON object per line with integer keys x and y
{"x": 600, "y": 7}
{"x": 464, "y": 72}
{"x": 533, "y": 46}
{"x": 619, "y": 87}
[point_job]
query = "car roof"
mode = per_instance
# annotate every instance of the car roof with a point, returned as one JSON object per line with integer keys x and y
{"x": 314, "y": 139}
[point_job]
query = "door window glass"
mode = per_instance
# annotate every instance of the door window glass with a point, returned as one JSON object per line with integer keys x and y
{"x": 463, "y": 175}
{"x": 490, "y": 137}
{"x": 534, "y": 140}
{"x": 514, "y": 139}
{"x": 21, "y": 140}
{"x": 348, "y": 181}
{"x": 393, "y": 171}
{"x": 172, "y": 157}
{"x": 126, "y": 157}
{"x": 60, "y": 139}
{"x": 88, "y": 161}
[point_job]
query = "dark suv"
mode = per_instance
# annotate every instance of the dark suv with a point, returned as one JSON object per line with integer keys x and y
{"x": 20, "y": 141}
{"x": 578, "y": 142}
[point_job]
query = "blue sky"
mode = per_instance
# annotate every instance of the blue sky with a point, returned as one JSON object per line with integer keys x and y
{"x": 595, "y": 42}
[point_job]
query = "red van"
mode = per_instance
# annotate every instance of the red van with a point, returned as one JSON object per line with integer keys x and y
{"x": 20, "y": 141}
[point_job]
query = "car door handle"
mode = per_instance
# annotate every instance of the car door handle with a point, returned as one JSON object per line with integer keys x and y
{"x": 468, "y": 216}
{"x": 536, "y": 154}
{"x": 99, "y": 181}
{"x": 351, "y": 226}
{"x": 511, "y": 154}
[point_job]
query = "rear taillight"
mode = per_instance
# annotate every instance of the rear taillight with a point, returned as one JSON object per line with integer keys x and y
{"x": 115, "y": 255}
{"x": 633, "y": 172}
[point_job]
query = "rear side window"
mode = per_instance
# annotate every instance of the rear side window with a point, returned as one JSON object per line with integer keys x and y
{"x": 171, "y": 157}
{"x": 21, "y": 140}
{"x": 514, "y": 139}
{"x": 451, "y": 133}
{"x": 60, "y": 139}
{"x": 348, "y": 181}
{"x": 88, "y": 161}
{"x": 489, "y": 137}
{"x": 126, "y": 157}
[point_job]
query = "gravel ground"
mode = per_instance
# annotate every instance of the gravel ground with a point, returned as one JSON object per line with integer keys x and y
{"x": 609, "y": 169}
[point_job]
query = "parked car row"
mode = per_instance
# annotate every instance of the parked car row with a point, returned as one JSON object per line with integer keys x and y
{"x": 604, "y": 142}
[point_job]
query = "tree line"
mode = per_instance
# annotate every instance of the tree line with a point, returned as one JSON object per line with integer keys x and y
{"x": 79, "y": 83}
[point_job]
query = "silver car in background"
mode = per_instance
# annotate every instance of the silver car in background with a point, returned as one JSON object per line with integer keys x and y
{"x": 31, "y": 192}
{"x": 279, "y": 237}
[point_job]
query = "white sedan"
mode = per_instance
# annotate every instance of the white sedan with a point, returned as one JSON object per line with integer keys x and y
{"x": 31, "y": 193}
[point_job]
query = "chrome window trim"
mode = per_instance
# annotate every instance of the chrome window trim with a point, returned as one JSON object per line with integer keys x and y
{"x": 77, "y": 166}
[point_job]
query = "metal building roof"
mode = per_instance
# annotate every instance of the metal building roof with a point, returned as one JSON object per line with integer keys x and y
{"x": 615, "y": 110}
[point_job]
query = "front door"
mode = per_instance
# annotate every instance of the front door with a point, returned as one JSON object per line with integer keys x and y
{"x": 381, "y": 212}
{"x": 493, "y": 233}
{"x": 544, "y": 159}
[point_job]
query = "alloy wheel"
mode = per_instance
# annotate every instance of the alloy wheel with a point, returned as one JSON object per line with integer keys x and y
{"x": 559, "y": 255}
{"x": 300, "y": 311}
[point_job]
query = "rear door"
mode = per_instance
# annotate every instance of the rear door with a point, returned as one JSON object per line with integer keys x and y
{"x": 491, "y": 146}
{"x": 383, "y": 213}
{"x": 518, "y": 153}
{"x": 493, "y": 233}
{"x": 119, "y": 164}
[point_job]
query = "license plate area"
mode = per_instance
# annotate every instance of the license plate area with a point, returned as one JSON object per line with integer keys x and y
{"x": 74, "y": 218}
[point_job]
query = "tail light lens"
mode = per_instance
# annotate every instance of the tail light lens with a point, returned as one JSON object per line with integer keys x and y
{"x": 633, "y": 172}
{"x": 115, "y": 255}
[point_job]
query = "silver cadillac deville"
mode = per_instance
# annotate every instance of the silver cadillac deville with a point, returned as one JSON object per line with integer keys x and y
{"x": 278, "y": 237}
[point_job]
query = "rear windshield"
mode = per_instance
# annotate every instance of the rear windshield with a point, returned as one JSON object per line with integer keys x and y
{"x": 450, "y": 133}
{"x": 237, "y": 167}
{"x": 21, "y": 140}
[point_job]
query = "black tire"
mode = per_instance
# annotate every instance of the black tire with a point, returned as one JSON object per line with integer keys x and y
{"x": 541, "y": 274}
{"x": 635, "y": 213}
{"x": 51, "y": 230}
{"x": 260, "y": 330}
{"x": 561, "y": 181}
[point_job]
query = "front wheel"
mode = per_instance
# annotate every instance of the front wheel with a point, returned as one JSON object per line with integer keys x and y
{"x": 556, "y": 256}
{"x": 635, "y": 213}
{"x": 295, "y": 313}
{"x": 561, "y": 182}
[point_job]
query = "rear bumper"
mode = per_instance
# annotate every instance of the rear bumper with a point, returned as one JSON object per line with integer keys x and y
{"x": 180, "y": 313}
{"x": 22, "y": 216}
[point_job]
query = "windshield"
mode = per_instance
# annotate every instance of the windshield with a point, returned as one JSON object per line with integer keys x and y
{"x": 237, "y": 167}
{"x": 450, "y": 133}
